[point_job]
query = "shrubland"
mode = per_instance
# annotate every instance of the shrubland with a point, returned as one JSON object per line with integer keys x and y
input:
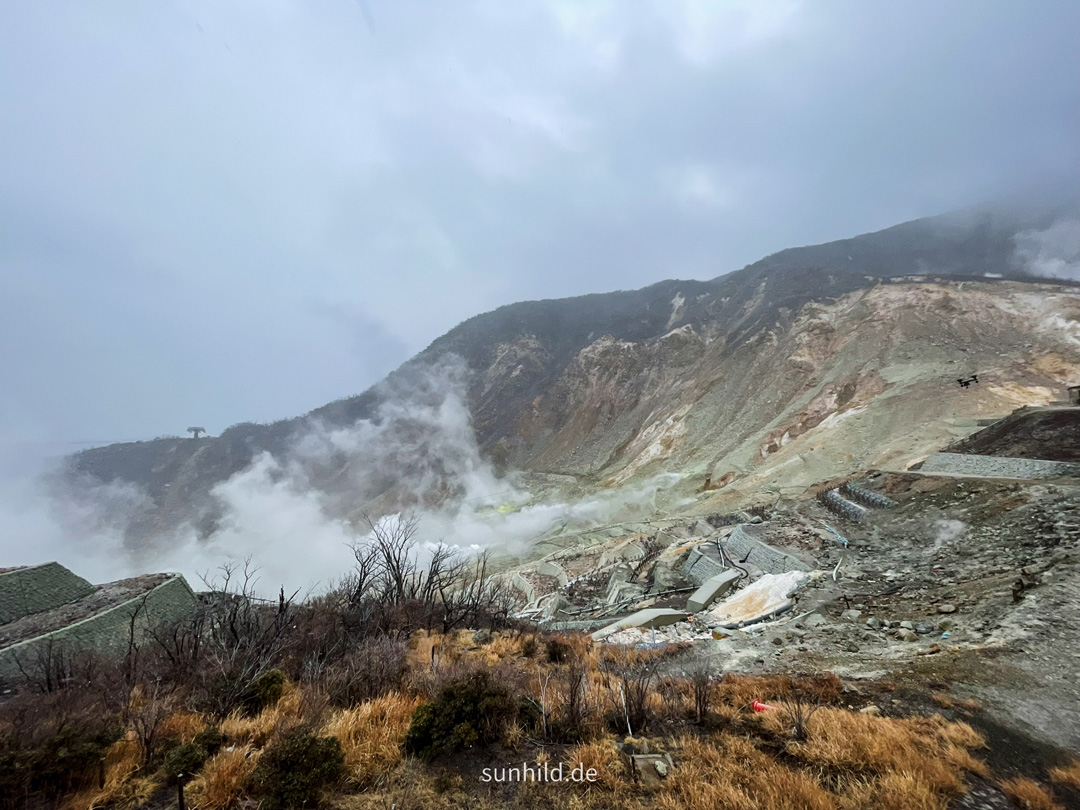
{"x": 398, "y": 687}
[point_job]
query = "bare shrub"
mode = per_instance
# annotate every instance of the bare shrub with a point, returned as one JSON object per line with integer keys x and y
{"x": 701, "y": 684}
{"x": 575, "y": 713}
{"x": 53, "y": 664}
{"x": 232, "y": 640}
{"x": 392, "y": 592}
{"x": 377, "y": 666}
{"x": 629, "y": 687}
{"x": 53, "y": 744}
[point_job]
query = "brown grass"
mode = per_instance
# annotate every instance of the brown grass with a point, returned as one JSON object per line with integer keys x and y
{"x": 371, "y": 736}
{"x": 872, "y": 753}
{"x": 182, "y": 725}
{"x": 745, "y": 761}
{"x": 730, "y": 772}
{"x": 1028, "y": 795}
{"x": 125, "y": 786}
{"x": 221, "y": 783}
{"x": 269, "y": 723}
{"x": 1067, "y": 775}
{"x": 942, "y": 700}
{"x": 604, "y": 756}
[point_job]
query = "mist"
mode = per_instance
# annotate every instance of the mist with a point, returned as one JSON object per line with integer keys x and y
{"x": 1051, "y": 253}
{"x": 296, "y": 517}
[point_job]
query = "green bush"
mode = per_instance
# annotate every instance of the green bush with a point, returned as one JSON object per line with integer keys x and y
{"x": 211, "y": 739}
{"x": 264, "y": 691}
{"x": 185, "y": 759}
{"x": 467, "y": 712}
{"x": 293, "y": 772}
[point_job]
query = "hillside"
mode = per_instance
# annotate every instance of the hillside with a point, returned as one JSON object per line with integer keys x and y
{"x": 816, "y": 360}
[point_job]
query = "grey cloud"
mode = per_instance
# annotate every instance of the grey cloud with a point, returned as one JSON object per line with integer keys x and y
{"x": 197, "y": 198}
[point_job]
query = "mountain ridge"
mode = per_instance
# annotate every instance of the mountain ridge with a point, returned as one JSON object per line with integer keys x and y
{"x": 583, "y": 385}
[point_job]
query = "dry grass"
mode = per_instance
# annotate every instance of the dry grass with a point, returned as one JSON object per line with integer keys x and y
{"x": 124, "y": 786}
{"x": 730, "y": 773}
{"x": 371, "y": 736}
{"x": 604, "y": 756}
{"x": 182, "y": 725}
{"x": 267, "y": 724}
{"x": 221, "y": 783}
{"x": 942, "y": 701}
{"x": 847, "y": 761}
{"x": 1028, "y": 795}
{"x": 948, "y": 702}
{"x": 874, "y": 755}
{"x": 1067, "y": 775}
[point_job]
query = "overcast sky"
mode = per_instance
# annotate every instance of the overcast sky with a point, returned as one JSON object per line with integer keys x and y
{"x": 213, "y": 212}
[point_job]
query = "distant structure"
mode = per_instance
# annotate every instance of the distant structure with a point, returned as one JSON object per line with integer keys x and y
{"x": 195, "y": 431}
{"x": 964, "y": 383}
{"x": 1074, "y": 394}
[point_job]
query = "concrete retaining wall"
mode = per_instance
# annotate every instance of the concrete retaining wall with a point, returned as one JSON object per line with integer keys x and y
{"x": 998, "y": 466}
{"x": 702, "y": 563}
{"x": 700, "y": 567}
{"x": 769, "y": 559}
{"x": 38, "y": 588}
{"x": 106, "y": 632}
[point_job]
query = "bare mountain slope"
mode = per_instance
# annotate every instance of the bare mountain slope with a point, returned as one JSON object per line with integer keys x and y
{"x": 812, "y": 361}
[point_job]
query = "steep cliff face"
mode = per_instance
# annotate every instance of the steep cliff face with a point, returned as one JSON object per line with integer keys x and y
{"x": 867, "y": 379}
{"x": 810, "y": 362}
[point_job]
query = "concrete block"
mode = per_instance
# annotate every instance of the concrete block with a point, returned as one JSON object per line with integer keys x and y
{"x": 711, "y": 589}
{"x": 650, "y": 617}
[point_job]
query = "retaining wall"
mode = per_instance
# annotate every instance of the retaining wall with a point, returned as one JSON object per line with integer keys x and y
{"x": 106, "y": 632}
{"x": 700, "y": 566}
{"x": 37, "y": 588}
{"x": 839, "y": 505}
{"x": 998, "y": 466}
{"x": 769, "y": 559}
{"x": 703, "y": 563}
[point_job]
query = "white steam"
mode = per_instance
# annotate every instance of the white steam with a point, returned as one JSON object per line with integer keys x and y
{"x": 297, "y": 516}
{"x": 1052, "y": 253}
{"x": 947, "y": 531}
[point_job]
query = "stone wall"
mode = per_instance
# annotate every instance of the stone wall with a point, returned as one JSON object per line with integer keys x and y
{"x": 106, "y": 632}
{"x": 38, "y": 588}
{"x": 997, "y": 466}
